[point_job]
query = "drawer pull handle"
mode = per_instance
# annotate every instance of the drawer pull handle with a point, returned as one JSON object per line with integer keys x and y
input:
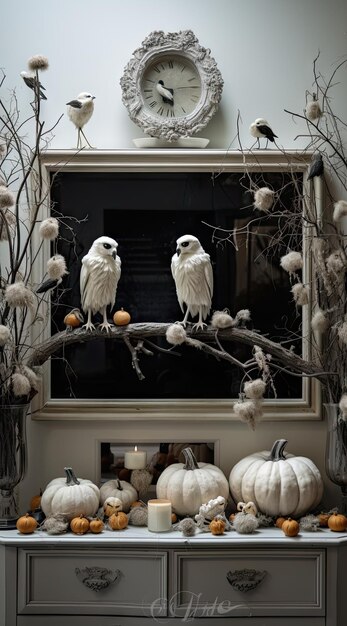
{"x": 97, "y": 578}
{"x": 245, "y": 579}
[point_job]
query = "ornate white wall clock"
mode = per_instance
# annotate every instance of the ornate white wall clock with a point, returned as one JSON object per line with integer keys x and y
{"x": 171, "y": 85}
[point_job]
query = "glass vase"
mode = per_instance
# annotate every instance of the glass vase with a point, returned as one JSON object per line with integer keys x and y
{"x": 12, "y": 460}
{"x": 336, "y": 451}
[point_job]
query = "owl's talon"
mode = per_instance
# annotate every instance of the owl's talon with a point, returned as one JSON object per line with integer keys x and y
{"x": 105, "y": 326}
{"x": 89, "y": 326}
{"x": 198, "y": 326}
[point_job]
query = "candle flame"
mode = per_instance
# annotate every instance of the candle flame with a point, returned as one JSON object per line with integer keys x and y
{"x": 135, "y": 449}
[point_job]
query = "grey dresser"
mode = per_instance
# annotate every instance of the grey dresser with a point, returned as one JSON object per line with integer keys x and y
{"x": 137, "y": 578}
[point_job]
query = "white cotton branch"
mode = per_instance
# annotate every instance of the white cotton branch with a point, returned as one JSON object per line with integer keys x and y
{"x": 243, "y": 315}
{"x": 221, "y": 319}
{"x": 176, "y": 334}
{"x": 254, "y": 389}
{"x": 248, "y": 411}
{"x": 313, "y": 110}
{"x": 5, "y": 335}
{"x": 342, "y": 333}
{"x": 18, "y": 295}
{"x": 49, "y": 228}
{"x": 264, "y": 199}
{"x": 319, "y": 321}
{"x": 38, "y": 62}
{"x": 7, "y": 198}
{"x": 56, "y": 267}
{"x": 340, "y": 210}
{"x": 20, "y": 384}
{"x": 336, "y": 262}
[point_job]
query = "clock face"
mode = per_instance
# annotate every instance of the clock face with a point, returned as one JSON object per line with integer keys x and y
{"x": 171, "y": 87}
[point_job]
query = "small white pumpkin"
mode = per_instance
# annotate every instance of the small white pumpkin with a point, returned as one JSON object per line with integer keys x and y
{"x": 70, "y": 496}
{"x": 279, "y": 484}
{"x": 119, "y": 489}
{"x": 189, "y": 485}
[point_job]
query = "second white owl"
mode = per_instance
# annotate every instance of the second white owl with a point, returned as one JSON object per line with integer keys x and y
{"x": 192, "y": 272}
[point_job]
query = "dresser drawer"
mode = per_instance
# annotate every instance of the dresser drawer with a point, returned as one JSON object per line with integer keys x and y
{"x": 249, "y": 583}
{"x": 27, "y": 620}
{"x": 88, "y": 582}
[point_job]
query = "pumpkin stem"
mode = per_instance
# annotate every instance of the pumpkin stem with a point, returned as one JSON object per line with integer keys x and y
{"x": 190, "y": 460}
{"x": 277, "y": 449}
{"x": 119, "y": 486}
{"x": 70, "y": 477}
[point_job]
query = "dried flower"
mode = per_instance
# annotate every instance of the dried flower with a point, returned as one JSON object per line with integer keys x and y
{"x": 20, "y": 384}
{"x": 264, "y": 199}
{"x": 319, "y": 321}
{"x": 313, "y": 110}
{"x": 56, "y": 267}
{"x": 49, "y": 228}
{"x": 254, "y": 389}
{"x": 5, "y": 335}
{"x": 309, "y": 522}
{"x": 343, "y": 407}
{"x": 292, "y": 262}
{"x": 221, "y": 319}
{"x": 38, "y": 62}
{"x": 18, "y": 295}
{"x": 7, "y": 198}
{"x": 340, "y": 210}
{"x": 176, "y": 335}
{"x": 300, "y": 294}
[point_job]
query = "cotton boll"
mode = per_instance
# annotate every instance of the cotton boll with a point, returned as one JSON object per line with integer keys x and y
{"x": 7, "y": 198}
{"x": 336, "y": 261}
{"x": 340, "y": 210}
{"x": 254, "y": 389}
{"x": 56, "y": 267}
{"x": 20, "y": 384}
{"x": 38, "y": 62}
{"x": 300, "y": 294}
{"x": 31, "y": 376}
{"x": 319, "y": 322}
{"x": 245, "y": 524}
{"x": 221, "y": 319}
{"x": 343, "y": 407}
{"x": 292, "y": 262}
{"x": 248, "y": 411}
{"x": 264, "y": 199}
{"x": 5, "y": 335}
{"x": 49, "y": 228}
{"x": 313, "y": 110}
{"x": 242, "y": 316}
{"x": 18, "y": 295}
{"x": 176, "y": 334}
{"x": 187, "y": 526}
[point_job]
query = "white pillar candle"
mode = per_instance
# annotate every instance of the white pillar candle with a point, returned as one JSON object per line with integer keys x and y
{"x": 159, "y": 515}
{"x": 135, "y": 459}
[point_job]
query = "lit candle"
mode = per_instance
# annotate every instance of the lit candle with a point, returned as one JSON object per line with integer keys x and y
{"x": 159, "y": 515}
{"x": 135, "y": 459}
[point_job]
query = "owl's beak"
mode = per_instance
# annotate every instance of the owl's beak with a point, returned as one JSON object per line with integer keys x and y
{"x": 114, "y": 254}
{"x": 178, "y": 251}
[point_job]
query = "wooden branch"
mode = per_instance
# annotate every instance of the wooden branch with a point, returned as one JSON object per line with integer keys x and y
{"x": 142, "y": 331}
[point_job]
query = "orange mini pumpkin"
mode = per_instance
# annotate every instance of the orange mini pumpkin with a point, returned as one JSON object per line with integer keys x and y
{"x": 79, "y": 525}
{"x": 279, "y": 522}
{"x": 121, "y": 318}
{"x": 96, "y": 526}
{"x": 217, "y": 526}
{"x": 35, "y": 502}
{"x": 290, "y": 527}
{"x": 323, "y": 519}
{"x": 26, "y": 524}
{"x": 118, "y": 521}
{"x": 337, "y": 522}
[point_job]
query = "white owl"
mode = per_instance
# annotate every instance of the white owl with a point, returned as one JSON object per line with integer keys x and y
{"x": 192, "y": 272}
{"x": 100, "y": 273}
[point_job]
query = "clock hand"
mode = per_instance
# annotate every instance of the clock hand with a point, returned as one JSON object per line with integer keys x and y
{"x": 165, "y": 92}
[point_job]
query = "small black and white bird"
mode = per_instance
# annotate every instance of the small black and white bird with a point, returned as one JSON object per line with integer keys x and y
{"x": 79, "y": 112}
{"x": 33, "y": 83}
{"x": 192, "y": 272}
{"x": 100, "y": 273}
{"x": 49, "y": 285}
{"x": 316, "y": 167}
{"x": 165, "y": 92}
{"x": 261, "y": 128}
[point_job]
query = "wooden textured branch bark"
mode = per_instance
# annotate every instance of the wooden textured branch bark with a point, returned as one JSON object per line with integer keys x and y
{"x": 141, "y": 332}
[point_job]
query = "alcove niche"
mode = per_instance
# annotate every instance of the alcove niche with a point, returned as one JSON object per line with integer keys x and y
{"x": 146, "y": 199}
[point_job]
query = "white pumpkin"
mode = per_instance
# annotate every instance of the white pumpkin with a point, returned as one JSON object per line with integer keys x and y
{"x": 70, "y": 496}
{"x": 279, "y": 484}
{"x": 119, "y": 489}
{"x": 189, "y": 485}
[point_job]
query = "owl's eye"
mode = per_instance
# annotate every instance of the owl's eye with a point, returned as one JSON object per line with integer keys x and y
{"x": 185, "y": 244}
{"x": 107, "y": 246}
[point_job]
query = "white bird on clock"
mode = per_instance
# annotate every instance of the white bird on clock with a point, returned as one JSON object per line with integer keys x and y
{"x": 192, "y": 272}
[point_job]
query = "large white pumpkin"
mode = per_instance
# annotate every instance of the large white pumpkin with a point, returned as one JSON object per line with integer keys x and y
{"x": 121, "y": 489}
{"x": 189, "y": 485}
{"x": 70, "y": 496}
{"x": 278, "y": 483}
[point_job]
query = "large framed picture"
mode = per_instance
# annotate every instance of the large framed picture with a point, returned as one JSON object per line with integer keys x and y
{"x": 145, "y": 200}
